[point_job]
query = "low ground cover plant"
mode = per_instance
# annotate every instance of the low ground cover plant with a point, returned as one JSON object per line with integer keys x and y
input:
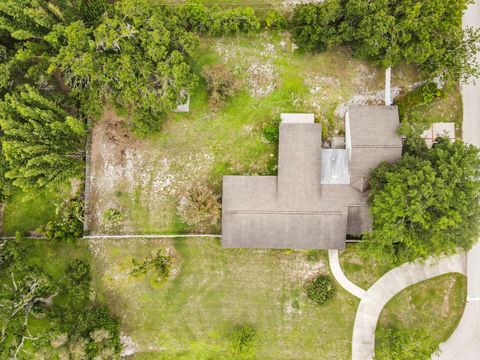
{"x": 243, "y": 340}
{"x": 321, "y": 290}
{"x": 404, "y": 344}
{"x": 161, "y": 264}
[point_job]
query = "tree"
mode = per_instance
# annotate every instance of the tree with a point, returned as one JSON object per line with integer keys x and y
{"x": 425, "y": 204}
{"x": 42, "y": 143}
{"x": 425, "y": 33}
{"x": 315, "y": 26}
{"x": 136, "y": 58}
{"x": 404, "y": 344}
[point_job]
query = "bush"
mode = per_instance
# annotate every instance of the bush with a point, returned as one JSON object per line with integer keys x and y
{"x": 314, "y": 26}
{"x": 221, "y": 84}
{"x": 423, "y": 95}
{"x": 271, "y": 131}
{"x": 200, "y": 208}
{"x": 67, "y": 224}
{"x": 113, "y": 217}
{"x": 404, "y": 344}
{"x": 160, "y": 263}
{"x": 321, "y": 290}
{"x": 76, "y": 281}
{"x": 243, "y": 341}
{"x": 274, "y": 21}
{"x": 217, "y": 21}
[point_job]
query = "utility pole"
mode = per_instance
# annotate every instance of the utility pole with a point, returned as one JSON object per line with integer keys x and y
{"x": 388, "y": 76}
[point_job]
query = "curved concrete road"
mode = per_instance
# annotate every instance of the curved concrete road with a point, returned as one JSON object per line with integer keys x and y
{"x": 464, "y": 344}
{"x": 390, "y": 284}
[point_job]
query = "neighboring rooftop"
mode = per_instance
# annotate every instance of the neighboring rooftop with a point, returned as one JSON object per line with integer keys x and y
{"x": 310, "y": 204}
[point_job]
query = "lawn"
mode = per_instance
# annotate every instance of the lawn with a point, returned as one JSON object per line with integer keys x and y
{"x": 363, "y": 272}
{"x": 26, "y": 211}
{"x": 436, "y": 305}
{"x": 215, "y": 289}
{"x": 147, "y": 179}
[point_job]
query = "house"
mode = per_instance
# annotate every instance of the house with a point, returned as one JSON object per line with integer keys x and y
{"x": 319, "y": 196}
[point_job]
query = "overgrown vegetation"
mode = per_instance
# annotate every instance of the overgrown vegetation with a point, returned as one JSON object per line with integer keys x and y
{"x": 425, "y": 204}
{"x": 243, "y": 341}
{"x": 51, "y": 316}
{"x": 68, "y": 222}
{"x": 405, "y": 344}
{"x": 410, "y": 102}
{"x": 321, "y": 290}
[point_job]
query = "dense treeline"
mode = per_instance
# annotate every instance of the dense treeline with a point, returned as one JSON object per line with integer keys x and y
{"x": 426, "y": 33}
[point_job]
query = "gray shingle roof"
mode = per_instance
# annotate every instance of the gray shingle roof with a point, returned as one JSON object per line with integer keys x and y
{"x": 297, "y": 210}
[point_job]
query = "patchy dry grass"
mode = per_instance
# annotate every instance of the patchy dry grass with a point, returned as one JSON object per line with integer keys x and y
{"x": 436, "y": 305}
{"x": 214, "y": 289}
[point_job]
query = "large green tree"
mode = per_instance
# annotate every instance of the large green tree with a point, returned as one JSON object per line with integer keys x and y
{"x": 427, "y": 203}
{"x": 137, "y": 58}
{"x": 426, "y": 33}
{"x": 42, "y": 143}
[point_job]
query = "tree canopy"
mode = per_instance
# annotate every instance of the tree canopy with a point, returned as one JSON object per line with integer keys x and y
{"x": 136, "y": 58}
{"x": 425, "y": 33}
{"x": 73, "y": 326}
{"x": 41, "y": 142}
{"x": 427, "y": 203}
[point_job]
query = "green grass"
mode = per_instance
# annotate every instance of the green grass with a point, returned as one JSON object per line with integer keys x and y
{"x": 26, "y": 211}
{"x": 436, "y": 305}
{"x": 215, "y": 289}
{"x": 362, "y": 272}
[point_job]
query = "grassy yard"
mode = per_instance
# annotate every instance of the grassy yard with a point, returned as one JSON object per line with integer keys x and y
{"x": 26, "y": 211}
{"x": 362, "y": 272}
{"x": 215, "y": 289}
{"x": 436, "y": 305}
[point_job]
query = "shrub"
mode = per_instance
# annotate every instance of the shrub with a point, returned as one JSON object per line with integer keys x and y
{"x": 271, "y": 131}
{"x": 67, "y": 224}
{"x": 200, "y": 208}
{"x": 76, "y": 281}
{"x": 221, "y": 84}
{"x": 423, "y": 95}
{"x": 160, "y": 263}
{"x": 243, "y": 341}
{"x": 113, "y": 217}
{"x": 404, "y": 344}
{"x": 233, "y": 21}
{"x": 273, "y": 20}
{"x": 321, "y": 290}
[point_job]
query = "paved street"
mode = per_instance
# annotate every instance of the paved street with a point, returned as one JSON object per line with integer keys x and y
{"x": 464, "y": 344}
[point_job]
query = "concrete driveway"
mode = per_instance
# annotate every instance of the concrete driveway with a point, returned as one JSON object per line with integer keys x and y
{"x": 464, "y": 344}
